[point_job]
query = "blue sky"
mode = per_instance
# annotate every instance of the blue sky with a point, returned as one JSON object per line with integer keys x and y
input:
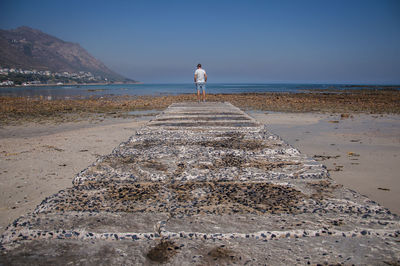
{"x": 323, "y": 41}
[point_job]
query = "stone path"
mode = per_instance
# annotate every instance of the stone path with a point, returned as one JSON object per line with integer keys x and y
{"x": 204, "y": 183}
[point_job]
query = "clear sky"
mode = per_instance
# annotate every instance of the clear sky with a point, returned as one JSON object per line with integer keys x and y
{"x": 323, "y": 41}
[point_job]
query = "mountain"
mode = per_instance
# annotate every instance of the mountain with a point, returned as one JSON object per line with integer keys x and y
{"x": 28, "y": 48}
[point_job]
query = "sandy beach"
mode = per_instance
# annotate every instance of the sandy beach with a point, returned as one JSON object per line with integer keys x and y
{"x": 361, "y": 152}
{"x": 38, "y": 160}
{"x": 40, "y": 157}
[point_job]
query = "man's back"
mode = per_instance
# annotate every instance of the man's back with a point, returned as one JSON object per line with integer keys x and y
{"x": 200, "y": 75}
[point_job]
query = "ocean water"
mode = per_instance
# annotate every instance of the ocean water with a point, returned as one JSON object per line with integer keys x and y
{"x": 84, "y": 91}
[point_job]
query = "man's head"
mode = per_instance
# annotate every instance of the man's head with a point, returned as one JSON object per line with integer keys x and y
{"x": 198, "y": 65}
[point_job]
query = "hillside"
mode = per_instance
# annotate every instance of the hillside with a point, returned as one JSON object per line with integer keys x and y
{"x": 27, "y": 48}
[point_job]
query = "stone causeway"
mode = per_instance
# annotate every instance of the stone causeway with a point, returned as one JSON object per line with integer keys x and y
{"x": 204, "y": 184}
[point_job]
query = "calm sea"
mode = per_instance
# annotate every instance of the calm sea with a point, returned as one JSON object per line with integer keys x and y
{"x": 158, "y": 89}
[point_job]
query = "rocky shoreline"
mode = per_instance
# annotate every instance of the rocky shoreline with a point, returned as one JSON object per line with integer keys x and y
{"x": 22, "y": 109}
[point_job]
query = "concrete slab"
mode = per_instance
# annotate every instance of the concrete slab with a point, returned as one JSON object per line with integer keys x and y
{"x": 204, "y": 183}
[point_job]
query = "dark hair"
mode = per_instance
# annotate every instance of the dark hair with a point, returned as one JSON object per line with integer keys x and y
{"x": 198, "y": 65}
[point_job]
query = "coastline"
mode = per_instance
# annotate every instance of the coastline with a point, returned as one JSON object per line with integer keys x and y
{"x": 71, "y": 84}
{"x": 39, "y": 109}
{"x": 330, "y": 88}
{"x": 44, "y": 144}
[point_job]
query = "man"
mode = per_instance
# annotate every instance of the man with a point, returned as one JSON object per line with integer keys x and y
{"x": 200, "y": 78}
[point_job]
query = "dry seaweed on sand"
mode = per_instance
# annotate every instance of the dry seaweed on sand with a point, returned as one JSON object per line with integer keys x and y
{"x": 14, "y": 109}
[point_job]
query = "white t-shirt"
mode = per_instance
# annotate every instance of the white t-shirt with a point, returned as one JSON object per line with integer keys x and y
{"x": 200, "y": 75}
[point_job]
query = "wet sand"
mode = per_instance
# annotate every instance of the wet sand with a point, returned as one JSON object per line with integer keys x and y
{"x": 38, "y": 160}
{"x": 362, "y": 152}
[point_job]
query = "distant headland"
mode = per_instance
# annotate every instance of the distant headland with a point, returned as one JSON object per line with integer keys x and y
{"x": 31, "y": 57}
